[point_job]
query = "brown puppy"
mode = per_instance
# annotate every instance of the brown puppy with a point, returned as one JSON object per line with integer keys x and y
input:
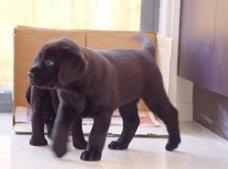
{"x": 94, "y": 83}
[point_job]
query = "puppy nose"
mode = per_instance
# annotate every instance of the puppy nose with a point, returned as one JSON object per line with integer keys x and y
{"x": 31, "y": 74}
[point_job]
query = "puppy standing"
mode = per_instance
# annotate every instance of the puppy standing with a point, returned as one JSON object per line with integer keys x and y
{"x": 44, "y": 104}
{"x": 94, "y": 83}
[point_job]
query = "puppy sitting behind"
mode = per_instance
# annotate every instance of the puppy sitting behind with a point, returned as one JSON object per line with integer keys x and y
{"x": 94, "y": 83}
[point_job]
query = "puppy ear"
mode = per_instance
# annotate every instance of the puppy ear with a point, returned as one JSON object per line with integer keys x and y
{"x": 72, "y": 68}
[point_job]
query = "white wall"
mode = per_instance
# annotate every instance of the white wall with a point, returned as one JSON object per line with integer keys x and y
{"x": 180, "y": 90}
{"x": 94, "y": 14}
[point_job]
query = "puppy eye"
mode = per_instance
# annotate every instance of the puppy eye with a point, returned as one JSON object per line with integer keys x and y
{"x": 49, "y": 62}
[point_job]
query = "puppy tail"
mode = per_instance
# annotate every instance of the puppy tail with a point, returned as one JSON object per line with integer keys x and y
{"x": 146, "y": 43}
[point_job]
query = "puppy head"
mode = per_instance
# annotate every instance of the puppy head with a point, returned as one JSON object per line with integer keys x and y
{"x": 58, "y": 63}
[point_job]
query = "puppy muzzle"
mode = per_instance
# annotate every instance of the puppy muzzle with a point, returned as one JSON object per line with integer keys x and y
{"x": 35, "y": 77}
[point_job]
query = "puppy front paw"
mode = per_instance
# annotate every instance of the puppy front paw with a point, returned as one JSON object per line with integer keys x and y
{"x": 59, "y": 150}
{"x": 90, "y": 155}
{"x": 115, "y": 145}
{"x": 173, "y": 143}
{"x": 38, "y": 141}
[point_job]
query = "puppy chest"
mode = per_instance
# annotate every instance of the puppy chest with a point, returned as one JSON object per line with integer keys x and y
{"x": 93, "y": 109}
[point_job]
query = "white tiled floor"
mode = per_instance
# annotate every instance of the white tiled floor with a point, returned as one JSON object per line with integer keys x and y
{"x": 200, "y": 149}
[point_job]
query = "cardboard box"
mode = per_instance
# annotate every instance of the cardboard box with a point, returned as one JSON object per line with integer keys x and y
{"x": 28, "y": 40}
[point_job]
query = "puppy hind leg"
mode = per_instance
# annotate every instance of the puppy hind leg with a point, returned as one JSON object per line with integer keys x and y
{"x": 129, "y": 113}
{"x": 169, "y": 115}
{"x": 51, "y": 112}
{"x": 77, "y": 134}
{"x": 50, "y": 123}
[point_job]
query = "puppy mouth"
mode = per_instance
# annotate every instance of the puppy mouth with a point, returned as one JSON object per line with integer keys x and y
{"x": 40, "y": 83}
